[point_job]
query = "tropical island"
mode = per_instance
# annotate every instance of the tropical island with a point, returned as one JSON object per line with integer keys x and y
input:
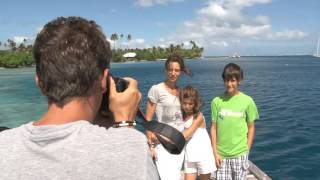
{"x": 20, "y": 55}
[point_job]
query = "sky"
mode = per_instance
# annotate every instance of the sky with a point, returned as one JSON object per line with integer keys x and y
{"x": 222, "y": 27}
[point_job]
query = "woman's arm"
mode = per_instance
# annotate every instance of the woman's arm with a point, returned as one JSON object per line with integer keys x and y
{"x": 152, "y": 139}
{"x": 187, "y": 133}
{"x": 151, "y": 108}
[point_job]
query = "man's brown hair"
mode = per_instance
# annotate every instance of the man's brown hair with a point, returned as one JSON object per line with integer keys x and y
{"x": 71, "y": 54}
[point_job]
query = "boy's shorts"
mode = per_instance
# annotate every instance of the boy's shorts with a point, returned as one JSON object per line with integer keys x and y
{"x": 233, "y": 168}
{"x": 203, "y": 167}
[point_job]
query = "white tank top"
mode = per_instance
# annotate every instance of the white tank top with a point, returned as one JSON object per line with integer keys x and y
{"x": 198, "y": 147}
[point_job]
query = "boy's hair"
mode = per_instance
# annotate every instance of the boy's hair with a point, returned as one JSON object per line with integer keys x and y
{"x": 192, "y": 93}
{"x": 71, "y": 54}
{"x": 179, "y": 60}
{"x": 231, "y": 71}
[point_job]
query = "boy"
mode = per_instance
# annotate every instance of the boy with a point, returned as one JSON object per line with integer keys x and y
{"x": 232, "y": 131}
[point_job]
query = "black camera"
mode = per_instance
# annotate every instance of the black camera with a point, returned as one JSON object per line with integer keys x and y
{"x": 121, "y": 85}
{"x": 172, "y": 139}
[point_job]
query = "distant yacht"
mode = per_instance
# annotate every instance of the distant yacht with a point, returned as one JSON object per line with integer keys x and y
{"x": 235, "y": 55}
{"x": 317, "y": 55}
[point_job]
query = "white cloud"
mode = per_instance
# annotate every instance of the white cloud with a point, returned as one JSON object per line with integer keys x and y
{"x": 214, "y": 10}
{"x": 220, "y": 22}
{"x": 149, "y": 3}
{"x": 220, "y": 43}
{"x": 20, "y": 39}
{"x": 247, "y": 3}
{"x": 134, "y": 43}
{"x": 139, "y": 41}
{"x": 39, "y": 29}
{"x": 288, "y": 34}
{"x": 252, "y": 31}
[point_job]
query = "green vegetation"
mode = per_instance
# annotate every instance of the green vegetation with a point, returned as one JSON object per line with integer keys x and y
{"x": 16, "y": 56}
{"x": 21, "y": 56}
{"x": 14, "y": 59}
{"x": 155, "y": 53}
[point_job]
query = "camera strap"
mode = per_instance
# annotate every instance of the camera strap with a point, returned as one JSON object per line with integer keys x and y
{"x": 2, "y": 128}
{"x": 171, "y": 138}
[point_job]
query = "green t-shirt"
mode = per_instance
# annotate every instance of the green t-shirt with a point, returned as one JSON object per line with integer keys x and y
{"x": 231, "y": 115}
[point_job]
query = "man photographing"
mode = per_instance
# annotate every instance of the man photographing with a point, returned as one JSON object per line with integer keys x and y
{"x": 72, "y": 66}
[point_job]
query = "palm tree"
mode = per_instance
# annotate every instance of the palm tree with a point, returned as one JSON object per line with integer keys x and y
{"x": 21, "y": 47}
{"x": 129, "y": 37}
{"x": 114, "y": 38}
{"x": 193, "y": 44}
{"x": 121, "y": 38}
{"x": 12, "y": 44}
{"x": 171, "y": 49}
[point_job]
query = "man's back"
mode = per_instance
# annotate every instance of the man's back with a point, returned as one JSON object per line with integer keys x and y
{"x": 75, "y": 150}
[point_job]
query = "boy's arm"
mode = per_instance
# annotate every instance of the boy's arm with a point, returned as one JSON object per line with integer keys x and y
{"x": 251, "y": 131}
{"x": 187, "y": 133}
{"x": 213, "y": 134}
{"x": 252, "y": 115}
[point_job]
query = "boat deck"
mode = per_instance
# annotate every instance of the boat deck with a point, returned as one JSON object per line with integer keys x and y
{"x": 255, "y": 173}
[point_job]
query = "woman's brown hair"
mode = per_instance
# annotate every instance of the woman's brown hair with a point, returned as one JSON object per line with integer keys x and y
{"x": 180, "y": 61}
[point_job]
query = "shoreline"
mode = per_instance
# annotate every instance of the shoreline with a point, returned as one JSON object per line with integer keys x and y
{"x": 186, "y": 58}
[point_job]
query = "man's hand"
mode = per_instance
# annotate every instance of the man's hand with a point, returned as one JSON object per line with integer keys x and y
{"x": 124, "y": 105}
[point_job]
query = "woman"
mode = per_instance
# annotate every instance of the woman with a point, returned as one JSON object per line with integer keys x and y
{"x": 163, "y": 99}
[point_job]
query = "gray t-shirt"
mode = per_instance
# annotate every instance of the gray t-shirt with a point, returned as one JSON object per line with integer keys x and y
{"x": 77, "y": 150}
{"x": 168, "y": 108}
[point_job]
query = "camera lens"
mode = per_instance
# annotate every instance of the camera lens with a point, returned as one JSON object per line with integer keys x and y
{"x": 121, "y": 84}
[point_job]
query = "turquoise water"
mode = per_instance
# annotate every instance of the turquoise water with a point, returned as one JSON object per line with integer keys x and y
{"x": 286, "y": 91}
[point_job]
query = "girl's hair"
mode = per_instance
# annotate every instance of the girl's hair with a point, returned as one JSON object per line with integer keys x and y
{"x": 179, "y": 60}
{"x": 190, "y": 92}
{"x": 232, "y": 70}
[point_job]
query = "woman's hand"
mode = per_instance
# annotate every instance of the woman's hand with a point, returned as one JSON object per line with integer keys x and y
{"x": 152, "y": 138}
{"x": 152, "y": 141}
{"x": 152, "y": 147}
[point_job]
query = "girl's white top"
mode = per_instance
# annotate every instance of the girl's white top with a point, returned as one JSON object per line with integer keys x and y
{"x": 198, "y": 147}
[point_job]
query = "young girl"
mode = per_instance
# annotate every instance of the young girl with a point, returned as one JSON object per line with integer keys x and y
{"x": 199, "y": 157}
